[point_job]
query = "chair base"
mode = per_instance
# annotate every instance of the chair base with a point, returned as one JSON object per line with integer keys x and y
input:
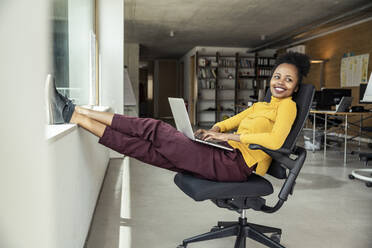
{"x": 242, "y": 229}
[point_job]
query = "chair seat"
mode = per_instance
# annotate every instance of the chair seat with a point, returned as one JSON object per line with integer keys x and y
{"x": 202, "y": 189}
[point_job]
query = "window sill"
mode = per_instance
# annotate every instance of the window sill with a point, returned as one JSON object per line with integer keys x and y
{"x": 55, "y": 132}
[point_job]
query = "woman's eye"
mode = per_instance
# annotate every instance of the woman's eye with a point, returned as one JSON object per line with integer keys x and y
{"x": 276, "y": 77}
{"x": 289, "y": 79}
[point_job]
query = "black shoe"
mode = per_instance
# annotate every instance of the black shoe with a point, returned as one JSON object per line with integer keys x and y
{"x": 59, "y": 108}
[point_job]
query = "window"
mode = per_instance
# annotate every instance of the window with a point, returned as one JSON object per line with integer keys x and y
{"x": 74, "y": 49}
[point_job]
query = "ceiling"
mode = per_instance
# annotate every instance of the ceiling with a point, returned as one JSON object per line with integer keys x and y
{"x": 233, "y": 23}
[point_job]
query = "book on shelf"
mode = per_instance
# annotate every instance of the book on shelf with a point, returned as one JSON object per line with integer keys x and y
{"x": 207, "y": 84}
{"x": 205, "y": 73}
{"x": 265, "y": 61}
{"x": 214, "y": 73}
{"x": 247, "y": 72}
{"x": 246, "y": 85}
{"x": 205, "y": 62}
{"x": 227, "y": 63}
{"x": 246, "y": 63}
{"x": 264, "y": 72}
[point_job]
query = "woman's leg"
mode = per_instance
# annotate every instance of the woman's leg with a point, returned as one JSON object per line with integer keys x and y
{"x": 124, "y": 144}
{"x": 103, "y": 117}
{"x": 159, "y": 144}
{"x": 93, "y": 126}
{"x": 181, "y": 152}
{"x": 137, "y": 148}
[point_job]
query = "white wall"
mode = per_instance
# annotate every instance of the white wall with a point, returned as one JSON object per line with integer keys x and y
{"x": 111, "y": 53}
{"x": 48, "y": 189}
{"x": 26, "y": 210}
{"x": 78, "y": 165}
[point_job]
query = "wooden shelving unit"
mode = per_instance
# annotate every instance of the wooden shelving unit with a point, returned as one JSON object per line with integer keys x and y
{"x": 227, "y": 83}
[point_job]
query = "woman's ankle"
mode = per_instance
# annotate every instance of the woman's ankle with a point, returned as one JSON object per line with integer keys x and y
{"x": 75, "y": 117}
{"x": 81, "y": 110}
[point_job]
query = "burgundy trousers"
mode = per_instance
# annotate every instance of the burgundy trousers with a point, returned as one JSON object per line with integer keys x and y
{"x": 158, "y": 143}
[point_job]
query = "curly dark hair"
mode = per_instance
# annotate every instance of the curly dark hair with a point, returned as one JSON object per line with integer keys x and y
{"x": 301, "y": 61}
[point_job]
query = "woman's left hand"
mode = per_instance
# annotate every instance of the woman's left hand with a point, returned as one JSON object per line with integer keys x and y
{"x": 210, "y": 135}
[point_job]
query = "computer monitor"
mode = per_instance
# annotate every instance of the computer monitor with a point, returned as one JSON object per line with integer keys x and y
{"x": 316, "y": 99}
{"x": 362, "y": 90}
{"x": 331, "y": 97}
{"x": 365, "y": 92}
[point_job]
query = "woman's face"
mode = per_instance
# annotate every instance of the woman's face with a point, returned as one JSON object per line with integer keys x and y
{"x": 284, "y": 81}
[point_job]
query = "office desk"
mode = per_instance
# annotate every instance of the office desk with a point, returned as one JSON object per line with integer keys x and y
{"x": 363, "y": 116}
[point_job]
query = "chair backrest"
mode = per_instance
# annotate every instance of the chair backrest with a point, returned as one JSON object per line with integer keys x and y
{"x": 303, "y": 98}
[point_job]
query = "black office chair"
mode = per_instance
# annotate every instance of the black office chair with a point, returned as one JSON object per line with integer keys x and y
{"x": 363, "y": 174}
{"x": 240, "y": 196}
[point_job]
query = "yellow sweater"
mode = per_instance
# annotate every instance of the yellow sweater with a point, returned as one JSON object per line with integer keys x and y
{"x": 265, "y": 124}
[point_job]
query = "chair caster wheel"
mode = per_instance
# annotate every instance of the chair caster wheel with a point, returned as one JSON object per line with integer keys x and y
{"x": 351, "y": 177}
{"x": 276, "y": 237}
{"x": 368, "y": 184}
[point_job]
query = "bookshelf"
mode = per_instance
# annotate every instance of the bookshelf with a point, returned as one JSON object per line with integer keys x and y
{"x": 246, "y": 82}
{"x": 226, "y": 90}
{"x": 207, "y": 71}
{"x": 264, "y": 69}
{"x": 227, "y": 83}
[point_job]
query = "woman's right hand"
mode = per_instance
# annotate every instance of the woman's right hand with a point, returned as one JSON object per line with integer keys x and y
{"x": 200, "y": 133}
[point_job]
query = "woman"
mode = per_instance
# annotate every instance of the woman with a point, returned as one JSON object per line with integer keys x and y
{"x": 159, "y": 144}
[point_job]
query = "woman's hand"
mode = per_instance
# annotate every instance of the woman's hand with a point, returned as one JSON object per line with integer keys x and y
{"x": 199, "y": 133}
{"x": 212, "y": 135}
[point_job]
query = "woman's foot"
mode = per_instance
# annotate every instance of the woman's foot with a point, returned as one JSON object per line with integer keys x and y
{"x": 59, "y": 108}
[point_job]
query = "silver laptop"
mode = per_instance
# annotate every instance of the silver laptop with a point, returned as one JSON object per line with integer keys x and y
{"x": 183, "y": 122}
{"x": 344, "y": 104}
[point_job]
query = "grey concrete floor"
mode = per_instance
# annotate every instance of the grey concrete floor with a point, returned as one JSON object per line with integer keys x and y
{"x": 141, "y": 207}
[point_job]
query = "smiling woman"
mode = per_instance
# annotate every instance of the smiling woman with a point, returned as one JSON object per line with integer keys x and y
{"x": 159, "y": 144}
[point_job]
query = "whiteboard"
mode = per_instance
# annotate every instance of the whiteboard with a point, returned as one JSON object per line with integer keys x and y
{"x": 129, "y": 98}
{"x": 353, "y": 70}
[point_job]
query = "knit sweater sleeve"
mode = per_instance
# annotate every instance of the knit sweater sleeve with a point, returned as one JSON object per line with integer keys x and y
{"x": 234, "y": 121}
{"x": 286, "y": 115}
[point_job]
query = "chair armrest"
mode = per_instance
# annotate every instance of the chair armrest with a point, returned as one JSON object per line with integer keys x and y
{"x": 293, "y": 163}
{"x": 282, "y": 155}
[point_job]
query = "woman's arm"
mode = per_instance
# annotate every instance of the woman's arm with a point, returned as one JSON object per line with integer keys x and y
{"x": 234, "y": 121}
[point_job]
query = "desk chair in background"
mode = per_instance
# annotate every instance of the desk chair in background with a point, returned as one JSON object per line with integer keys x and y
{"x": 240, "y": 196}
{"x": 365, "y": 157}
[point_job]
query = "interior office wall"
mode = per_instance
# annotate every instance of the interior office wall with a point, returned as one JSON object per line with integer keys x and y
{"x": 356, "y": 39}
{"x": 79, "y": 164}
{"x": 131, "y": 60}
{"x": 110, "y": 16}
{"x": 333, "y": 46}
{"x": 26, "y": 210}
{"x": 166, "y": 85}
{"x": 186, "y": 60}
